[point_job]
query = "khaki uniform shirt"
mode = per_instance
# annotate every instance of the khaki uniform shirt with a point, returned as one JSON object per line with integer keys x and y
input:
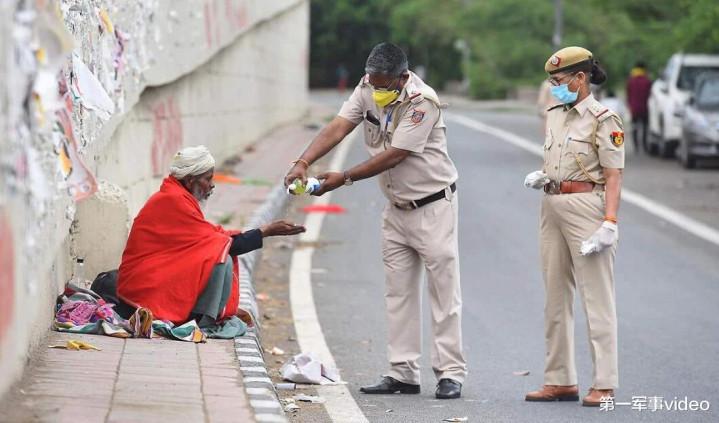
{"x": 572, "y": 152}
{"x": 414, "y": 123}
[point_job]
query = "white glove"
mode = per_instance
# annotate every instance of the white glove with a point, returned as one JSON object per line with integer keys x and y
{"x": 606, "y": 236}
{"x": 536, "y": 180}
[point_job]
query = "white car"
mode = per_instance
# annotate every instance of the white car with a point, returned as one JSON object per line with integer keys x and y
{"x": 668, "y": 97}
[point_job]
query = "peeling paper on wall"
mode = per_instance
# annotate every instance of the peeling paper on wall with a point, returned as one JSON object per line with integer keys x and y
{"x": 53, "y": 38}
{"x": 88, "y": 89}
{"x": 79, "y": 181}
{"x": 106, "y": 21}
{"x": 53, "y": 44}
{"x": 46, "y": 97}
{"x": 37, "y": 183}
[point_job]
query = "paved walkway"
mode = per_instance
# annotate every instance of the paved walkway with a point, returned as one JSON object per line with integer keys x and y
{"x": 130, "y": 380}
{"x": 154, "y": 380}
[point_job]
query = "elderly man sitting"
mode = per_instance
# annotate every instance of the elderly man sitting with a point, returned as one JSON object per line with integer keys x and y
{"x": 176, "y": 263}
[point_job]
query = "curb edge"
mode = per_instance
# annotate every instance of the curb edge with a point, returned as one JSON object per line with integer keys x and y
{"x": 260, "y": 390}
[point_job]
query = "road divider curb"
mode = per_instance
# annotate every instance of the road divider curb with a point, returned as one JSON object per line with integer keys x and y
{"x": 260, "y": 390}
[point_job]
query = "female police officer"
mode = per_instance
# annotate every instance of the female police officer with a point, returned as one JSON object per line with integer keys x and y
{"x": 582, "y": 177}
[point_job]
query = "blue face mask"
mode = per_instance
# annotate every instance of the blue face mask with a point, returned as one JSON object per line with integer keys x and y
{"x": 562, "y": 93}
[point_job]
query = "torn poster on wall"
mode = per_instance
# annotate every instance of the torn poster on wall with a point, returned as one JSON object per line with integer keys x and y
{"x": 80, "y": 182}
{"x": 89, "y": 91}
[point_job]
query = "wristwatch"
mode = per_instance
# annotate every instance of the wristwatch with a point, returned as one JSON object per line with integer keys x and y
{"x": 348, "y": 180}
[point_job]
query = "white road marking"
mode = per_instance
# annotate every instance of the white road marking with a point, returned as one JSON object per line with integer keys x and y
{"x": 672, "y": 216}
{"x": 340, "y": 405}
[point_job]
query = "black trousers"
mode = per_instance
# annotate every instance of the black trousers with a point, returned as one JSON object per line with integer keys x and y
{"x": 640, "y": 127}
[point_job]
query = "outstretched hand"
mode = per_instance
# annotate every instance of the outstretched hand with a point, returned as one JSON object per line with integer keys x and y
{"x": 281, "y": 228}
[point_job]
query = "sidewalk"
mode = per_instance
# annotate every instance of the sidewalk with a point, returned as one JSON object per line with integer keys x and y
{"x": 143, "y": 380}
{"x": 130, "y": 380}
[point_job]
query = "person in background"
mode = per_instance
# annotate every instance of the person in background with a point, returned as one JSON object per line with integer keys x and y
{"x": 342, "y": 76}
{"x": 545, "y": 101}
{"x": 638, "y": 89}
{"x": 612, "y": 102}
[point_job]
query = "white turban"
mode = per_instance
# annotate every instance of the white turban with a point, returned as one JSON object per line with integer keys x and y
{"x": 191, "y": 161}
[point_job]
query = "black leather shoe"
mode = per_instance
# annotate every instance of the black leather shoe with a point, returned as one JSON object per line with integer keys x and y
{"x": 448, "y": 389}
{"x": 390, "y": 385}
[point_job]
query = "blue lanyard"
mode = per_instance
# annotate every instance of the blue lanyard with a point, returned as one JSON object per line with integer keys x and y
{"x": 388, "y": 119}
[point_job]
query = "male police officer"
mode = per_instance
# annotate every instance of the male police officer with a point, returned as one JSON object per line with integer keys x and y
{"x": 405, "y": 136}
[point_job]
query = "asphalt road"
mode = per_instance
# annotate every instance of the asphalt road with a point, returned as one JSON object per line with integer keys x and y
{"x": 667, "y": 289}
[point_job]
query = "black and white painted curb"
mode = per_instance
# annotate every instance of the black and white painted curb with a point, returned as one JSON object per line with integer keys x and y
{"x": 258, "y": 385}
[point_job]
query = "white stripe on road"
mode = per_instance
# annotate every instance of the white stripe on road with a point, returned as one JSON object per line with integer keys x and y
{"x": 339, "y": 404}
{"x": 672, "y": 216}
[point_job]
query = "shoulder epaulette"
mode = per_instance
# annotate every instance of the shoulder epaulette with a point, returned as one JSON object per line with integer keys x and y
{"x": 416, "y": 98}
{"x": 599, "y": 111}
{"x": 554, "y": 107}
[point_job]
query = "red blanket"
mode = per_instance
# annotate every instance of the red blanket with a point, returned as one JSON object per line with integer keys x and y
{"x": 170, "y": 255}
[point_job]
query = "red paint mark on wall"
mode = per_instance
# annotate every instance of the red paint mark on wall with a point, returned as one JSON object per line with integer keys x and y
{"x": 215, "y": 14}
{"x": 213, "y": 33}
{"x": 208, "y": 23}
{"x": 236, "y": 14}
{"x": 7, "y": 275}
{"x": 167, "y": 136}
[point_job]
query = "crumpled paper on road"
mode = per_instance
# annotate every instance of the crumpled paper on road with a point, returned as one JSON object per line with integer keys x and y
{"x": 307, "y": 368}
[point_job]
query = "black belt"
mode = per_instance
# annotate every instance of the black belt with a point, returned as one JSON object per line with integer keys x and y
{"x": 426, "y": 200}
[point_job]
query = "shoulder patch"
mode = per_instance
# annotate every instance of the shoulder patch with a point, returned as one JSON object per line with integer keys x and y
{"x": 417, "y": 116}
{"x": 617, "y": 138}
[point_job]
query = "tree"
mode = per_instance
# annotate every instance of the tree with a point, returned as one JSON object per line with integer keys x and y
{"x": 510, "y": 40}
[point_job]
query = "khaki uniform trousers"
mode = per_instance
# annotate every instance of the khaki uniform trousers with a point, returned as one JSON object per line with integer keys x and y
{"x": 413, "y": 241}
{"x": 566, "y": 221}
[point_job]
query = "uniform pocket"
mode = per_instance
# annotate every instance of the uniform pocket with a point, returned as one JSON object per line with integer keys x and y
{"x": 372, "y": 132}
{"x": 578, "y": 146}
{"x": 548, "y": 140}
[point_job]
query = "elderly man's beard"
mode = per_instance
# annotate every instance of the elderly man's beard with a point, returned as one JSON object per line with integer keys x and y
{"x": 201, "y": 196}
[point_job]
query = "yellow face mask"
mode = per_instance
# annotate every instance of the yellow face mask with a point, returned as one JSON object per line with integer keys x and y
{"x": 384, "y": 97}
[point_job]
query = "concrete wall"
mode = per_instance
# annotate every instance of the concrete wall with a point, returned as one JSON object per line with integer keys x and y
{"x": 213, "y": 72}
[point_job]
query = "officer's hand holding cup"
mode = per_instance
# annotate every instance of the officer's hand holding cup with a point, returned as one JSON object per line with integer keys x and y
{"x": 297, "y": 171}
{"x": 537, "y": 180}
{"x": 330, "y": 182}
{"x": 604, "y": 237}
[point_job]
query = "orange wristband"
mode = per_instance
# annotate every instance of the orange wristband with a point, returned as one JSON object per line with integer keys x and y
{"x": 303, "y": 161}
{"x": 610, "y": 219}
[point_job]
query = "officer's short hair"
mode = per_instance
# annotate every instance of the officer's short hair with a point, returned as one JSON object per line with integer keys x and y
{"x": 387, "y": 59}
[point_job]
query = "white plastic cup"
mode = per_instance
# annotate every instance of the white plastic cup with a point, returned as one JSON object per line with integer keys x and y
{"x": 313, "y": 184}
{"x": 296, "y": 187}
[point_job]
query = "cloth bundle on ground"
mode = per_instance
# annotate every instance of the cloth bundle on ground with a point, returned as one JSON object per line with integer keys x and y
{"x": 307, "y": 368}
{"x": 171, "y": 256}
{"x": 84, "y": 311}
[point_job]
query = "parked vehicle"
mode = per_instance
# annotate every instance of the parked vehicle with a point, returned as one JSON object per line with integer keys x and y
{"x": 669, "y": 94}
{"x": 700, "y": 122}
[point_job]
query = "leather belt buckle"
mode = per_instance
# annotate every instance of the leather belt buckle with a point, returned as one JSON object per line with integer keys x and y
{"x": 406, "y": 206}
{"x": 552, "y": 188}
